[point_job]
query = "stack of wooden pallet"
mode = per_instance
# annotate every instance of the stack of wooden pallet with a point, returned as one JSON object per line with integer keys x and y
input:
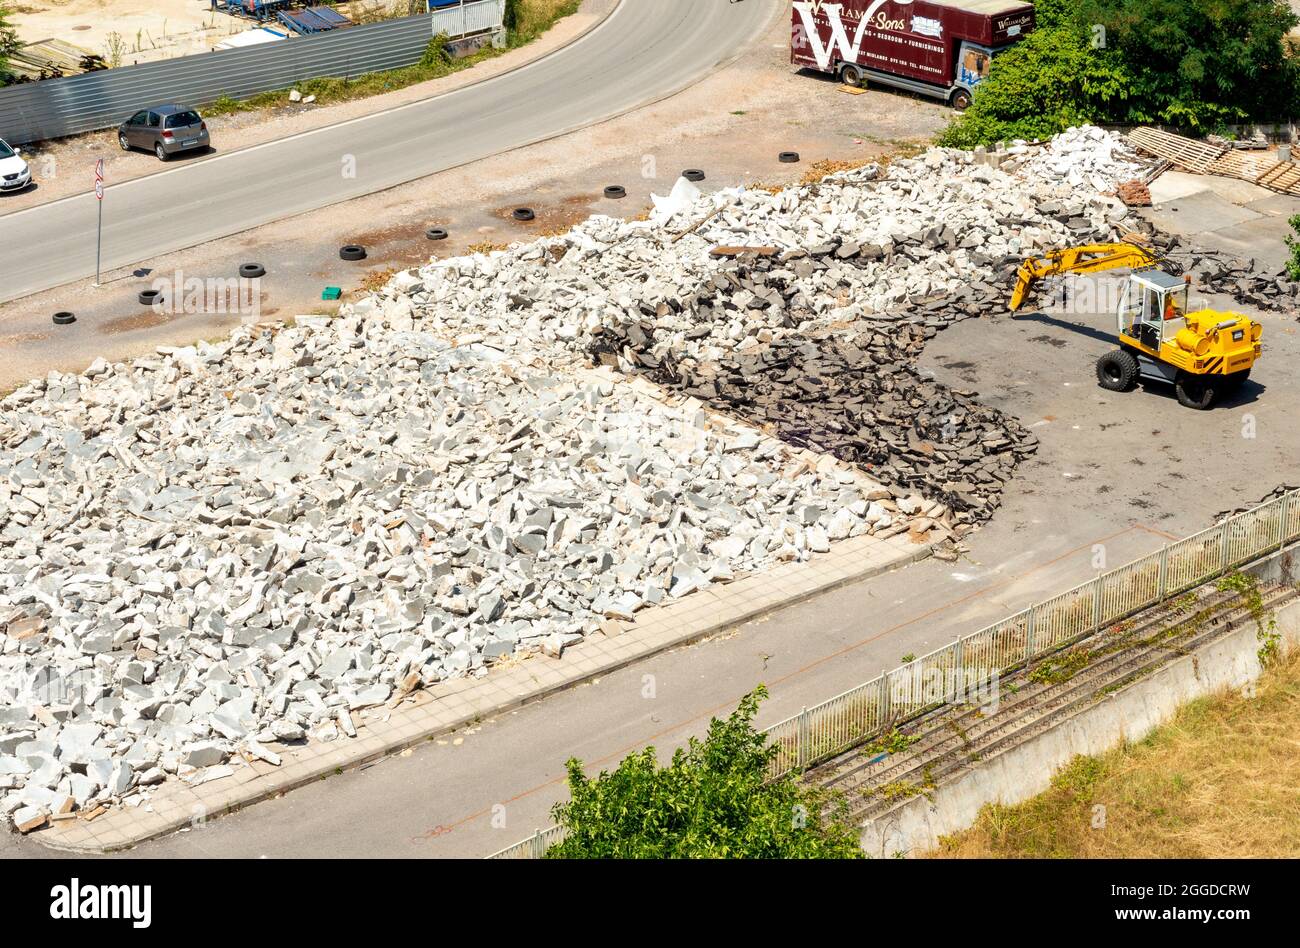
{"x": 1199, "y": 157}
{"x": 50, "y": 57}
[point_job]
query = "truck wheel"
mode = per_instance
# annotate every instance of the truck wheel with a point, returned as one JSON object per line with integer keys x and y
{"x": 1117, "y": 370}
{"x": 1194, "y": 391}
{"x": 960, "y": 100}
{"x": 851, "y": 75}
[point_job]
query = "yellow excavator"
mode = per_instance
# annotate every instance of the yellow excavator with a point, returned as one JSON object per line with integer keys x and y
{"x": 1202, "y": 354}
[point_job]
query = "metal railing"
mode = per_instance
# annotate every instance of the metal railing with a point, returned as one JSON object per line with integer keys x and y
{"x": 818, "y": 733}
{"x": 53, "y": 108}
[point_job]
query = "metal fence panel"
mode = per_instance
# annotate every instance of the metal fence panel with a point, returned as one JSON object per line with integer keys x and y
{"x": 56, "y": 107}
{"x": 1190, "y": 561}
{"x": 534, "y": 847}
{"x": 1065, "y": 617}
{"x": 1130, "y": 588}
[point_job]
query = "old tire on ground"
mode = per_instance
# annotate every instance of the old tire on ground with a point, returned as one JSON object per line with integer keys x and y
{"x": 64, "y": 319}
{"x": 788, "y": 157}
{"x": 149, "y": 297}
{"x": 852, "y": 75}
{"x": 1117, "y": 370}
{"x": 693, "y": 174}
{"x": 960, "y": 100}
{"x": 523, "y": 214}
{"x": 616, "y": 192}
{"x": 1194, "y": 391}
{"x": 435, "y": 233}
{"x": 352, "y": 252}
{"x": 251, "y": 271}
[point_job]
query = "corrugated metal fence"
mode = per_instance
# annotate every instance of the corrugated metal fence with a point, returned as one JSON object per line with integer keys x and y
{"x": 971, "y": 662}
{"x": 57, "y": 107}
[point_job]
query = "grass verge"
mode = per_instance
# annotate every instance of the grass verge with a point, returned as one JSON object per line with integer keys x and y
{"x": 1218, "y": 781}
{"x": 534, "y": 18}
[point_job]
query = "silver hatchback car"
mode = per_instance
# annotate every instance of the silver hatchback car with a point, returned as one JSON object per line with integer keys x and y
{"x": 164, "y": 130}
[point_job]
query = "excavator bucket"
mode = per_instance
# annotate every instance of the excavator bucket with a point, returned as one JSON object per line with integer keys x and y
{"x": 1024, "y": 280}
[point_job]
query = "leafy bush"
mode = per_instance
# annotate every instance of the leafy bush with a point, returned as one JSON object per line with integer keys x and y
{"x": 1293, "y": 265}
{"x": 711, "y": 801}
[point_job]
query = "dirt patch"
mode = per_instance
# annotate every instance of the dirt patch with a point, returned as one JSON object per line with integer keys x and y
{"x": 554, "y": 218}
{"x": 145, "y": 319}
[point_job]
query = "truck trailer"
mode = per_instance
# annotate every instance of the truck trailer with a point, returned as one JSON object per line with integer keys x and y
{"x": 936, "y": 48}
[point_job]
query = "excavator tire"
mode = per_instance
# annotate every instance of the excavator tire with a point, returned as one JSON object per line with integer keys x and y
{"x": 1235, "y": 380}
{"x": 1117, "y": 370}
{"x": 1195, "y": 391}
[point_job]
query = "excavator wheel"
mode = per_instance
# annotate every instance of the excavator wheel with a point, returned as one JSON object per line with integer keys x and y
{"x": 1194, "y": 391}
{"x": 1117, "y": 370}
{"x": 1235, "y": 380}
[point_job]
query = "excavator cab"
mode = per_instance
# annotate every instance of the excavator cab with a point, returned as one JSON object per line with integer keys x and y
{"x": 1153, "y": 308}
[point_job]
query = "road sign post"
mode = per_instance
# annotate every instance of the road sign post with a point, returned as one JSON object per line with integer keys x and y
{"x": 99, "y": 230}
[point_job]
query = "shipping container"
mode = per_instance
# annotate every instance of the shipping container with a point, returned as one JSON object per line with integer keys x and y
{"x": 936, "y": 48}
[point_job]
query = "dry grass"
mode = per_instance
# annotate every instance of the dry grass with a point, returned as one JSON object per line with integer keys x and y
{"x": 376, "y": 280}
{"x": 537, "y": 16}
{"x": 1218, "y": 781}
{"x": 820, "y": 169}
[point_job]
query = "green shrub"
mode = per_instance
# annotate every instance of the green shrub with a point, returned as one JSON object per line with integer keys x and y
{"x": 711, "y": 801}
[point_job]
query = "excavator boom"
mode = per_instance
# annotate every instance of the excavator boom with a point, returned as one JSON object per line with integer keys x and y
{"x": 1089, "y": 258}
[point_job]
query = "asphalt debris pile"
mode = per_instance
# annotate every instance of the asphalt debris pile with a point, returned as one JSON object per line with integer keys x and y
{"x": 1241, "y": 278}
{"x": 849, "y": 390}
{"x": 854, "y": 393}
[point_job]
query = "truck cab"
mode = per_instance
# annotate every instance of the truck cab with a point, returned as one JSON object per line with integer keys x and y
{"x": 973, "y": 62}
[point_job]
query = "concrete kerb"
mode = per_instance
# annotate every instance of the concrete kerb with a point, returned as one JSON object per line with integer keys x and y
{"x": 534, "y": 678}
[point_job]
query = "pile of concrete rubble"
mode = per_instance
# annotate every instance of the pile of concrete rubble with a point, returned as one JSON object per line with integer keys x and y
{"x": 244, "y": 543}
{"x": 228, "y": 548}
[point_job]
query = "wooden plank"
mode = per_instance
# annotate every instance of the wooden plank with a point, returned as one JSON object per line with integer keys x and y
{"x": 729, "y": 251}
{"x": 1186, "y": 153}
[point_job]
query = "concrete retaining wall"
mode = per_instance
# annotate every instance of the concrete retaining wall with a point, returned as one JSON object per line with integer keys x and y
{"x": 1126, "y": 715}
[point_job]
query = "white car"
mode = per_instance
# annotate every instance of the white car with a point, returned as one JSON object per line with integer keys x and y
{"x": 14, "y": 173}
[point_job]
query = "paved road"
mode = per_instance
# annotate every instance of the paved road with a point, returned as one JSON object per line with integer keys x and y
{"x": 647, "y": 49}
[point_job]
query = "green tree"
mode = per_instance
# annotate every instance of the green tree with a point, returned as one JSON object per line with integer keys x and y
{"x": 1195, "y": 64}
{"x": 1200, "y": 63}
{"x": 711, "y": 801}
{"x": 9, "y": 45}
{"x": 1293, "y": 244}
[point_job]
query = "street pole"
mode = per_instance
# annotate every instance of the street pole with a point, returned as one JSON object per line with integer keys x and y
{"x": 99, "y": 229}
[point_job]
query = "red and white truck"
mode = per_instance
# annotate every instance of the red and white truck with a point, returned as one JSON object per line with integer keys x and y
{"x": 936, "y": 48}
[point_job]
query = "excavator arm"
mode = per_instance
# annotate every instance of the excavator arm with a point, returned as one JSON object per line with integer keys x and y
{"x": 1089, "y": 258}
